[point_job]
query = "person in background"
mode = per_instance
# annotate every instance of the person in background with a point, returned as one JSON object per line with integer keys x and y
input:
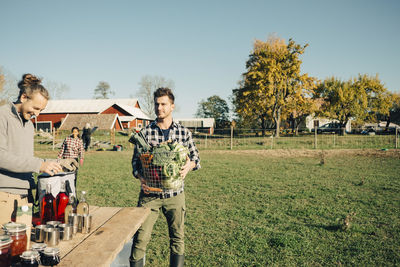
{"x": 86, "y": 136}
{"x": 72, "y": 148}
{"x": 17, "y": 161}
{"x": 170, "y": 202}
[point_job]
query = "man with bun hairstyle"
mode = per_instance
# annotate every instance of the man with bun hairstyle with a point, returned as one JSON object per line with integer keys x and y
{"x": 17, "y": 161}
{"x": 170, "y": 202}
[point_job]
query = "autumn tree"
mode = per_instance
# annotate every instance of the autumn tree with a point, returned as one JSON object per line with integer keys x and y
{"x": 360, "y": 98}
{"x": 272, "y": 78}
{"x": 394, "y": 111}
{"x": 298, "y": 108}
{"x": 103, "y": 91}
{"x": 214, "y": 107}
{"x": 149, "y": 84}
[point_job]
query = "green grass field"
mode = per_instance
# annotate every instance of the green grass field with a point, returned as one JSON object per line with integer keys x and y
{"x": 248, "y": 208}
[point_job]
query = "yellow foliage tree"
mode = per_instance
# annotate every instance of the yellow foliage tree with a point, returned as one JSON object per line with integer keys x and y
{"x": 360, "y": 99}
{"x": 271, "y": 81}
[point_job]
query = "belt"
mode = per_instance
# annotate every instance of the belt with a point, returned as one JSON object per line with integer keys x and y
{"x": 163, "y": 195}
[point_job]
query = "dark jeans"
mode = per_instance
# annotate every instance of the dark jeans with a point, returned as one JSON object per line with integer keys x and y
{"x": 86, "y": 142}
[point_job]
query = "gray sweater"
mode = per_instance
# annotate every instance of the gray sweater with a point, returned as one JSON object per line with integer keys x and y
{"x": 17, "y": 162}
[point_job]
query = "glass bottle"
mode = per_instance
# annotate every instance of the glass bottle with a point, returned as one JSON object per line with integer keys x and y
{"x": 48, "y": 207}
{"x": 70, "y": 208}
{"x": 62, "y": 202}
{"x": 83, "y": 206}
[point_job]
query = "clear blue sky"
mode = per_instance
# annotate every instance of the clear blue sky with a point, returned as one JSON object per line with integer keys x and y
{"x": 201, "y": 45}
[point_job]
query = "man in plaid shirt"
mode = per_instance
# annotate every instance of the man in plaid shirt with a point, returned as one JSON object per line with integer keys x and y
{"x": 170, "y": 202}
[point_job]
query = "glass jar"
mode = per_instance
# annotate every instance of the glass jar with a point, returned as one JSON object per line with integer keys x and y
{"x": 30, "y": 258}
{"x": 51, "y": 256}
{"x": 17, "y": 232}
{"x": 39, "y": 247}
{"x": 5, "y": 250}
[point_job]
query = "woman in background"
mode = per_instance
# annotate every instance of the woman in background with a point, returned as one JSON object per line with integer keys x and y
{"x": 72, "y": 148}
{"x": 86, "y": 136}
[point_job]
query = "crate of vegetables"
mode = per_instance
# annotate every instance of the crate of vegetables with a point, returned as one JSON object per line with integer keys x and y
{"x": 161, "y": 163}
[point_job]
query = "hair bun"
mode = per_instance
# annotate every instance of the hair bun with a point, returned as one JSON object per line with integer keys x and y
{"x": 29, "y": 79}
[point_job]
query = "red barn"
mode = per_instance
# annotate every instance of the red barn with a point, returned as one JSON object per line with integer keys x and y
{"x": 128, "y": 110}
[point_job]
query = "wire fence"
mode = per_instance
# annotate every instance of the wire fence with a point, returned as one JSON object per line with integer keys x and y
{"x": 255, "y": 139}
{"x": 237, "y": 139}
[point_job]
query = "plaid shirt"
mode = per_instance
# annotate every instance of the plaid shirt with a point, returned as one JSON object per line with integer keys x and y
{"x": 72, "y": 148}
{"x": 154, "y": 136}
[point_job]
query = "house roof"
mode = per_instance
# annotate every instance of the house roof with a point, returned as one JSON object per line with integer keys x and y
{"x": 86, "y": 105}
{"x": 126, "y": 118}
{"x": 101, "y": 121}
{"x": 197, "y": 122}
{"x": 136, "y": 112}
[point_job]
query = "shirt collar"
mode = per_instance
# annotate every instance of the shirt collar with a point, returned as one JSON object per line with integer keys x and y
{"x": 173, "y": 125}
{"x": 14, "y": 111}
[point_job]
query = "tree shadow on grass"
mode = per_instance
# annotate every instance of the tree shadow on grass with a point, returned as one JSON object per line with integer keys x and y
{"x": 331, "y": 227}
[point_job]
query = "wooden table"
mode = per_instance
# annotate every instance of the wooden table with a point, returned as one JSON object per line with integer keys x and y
{"x": 112, "y": 227}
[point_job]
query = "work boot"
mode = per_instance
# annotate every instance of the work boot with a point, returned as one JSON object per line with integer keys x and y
{"x": 176, "y": 260}
{"x": 139, "y": 263}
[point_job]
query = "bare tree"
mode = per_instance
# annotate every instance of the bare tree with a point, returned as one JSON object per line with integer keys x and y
{"x": 8, "y": 85}
{"x": 103, "y": 90}
{"x": 148, "y": 84}
{"x": 56, "y": 89}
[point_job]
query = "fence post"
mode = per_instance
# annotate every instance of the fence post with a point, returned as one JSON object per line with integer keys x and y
{"x": 205, "y": 145}
{"x": 231, "y": 137}
{"x": 54, "y": 137}
{"x": 112, "y": 136}
{"x": 334, "y": 140}
{"x": 315, "y": 137}
{"x": 272, "y": 141}
{"x": 397, "y": 141}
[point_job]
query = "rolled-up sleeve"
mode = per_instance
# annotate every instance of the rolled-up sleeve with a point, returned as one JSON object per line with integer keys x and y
{"x": 193, "y": 152}
{"x": 136, "y": 164}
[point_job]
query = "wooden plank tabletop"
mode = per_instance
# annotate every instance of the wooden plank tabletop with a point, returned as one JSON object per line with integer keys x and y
{"x": 112, "y": 227}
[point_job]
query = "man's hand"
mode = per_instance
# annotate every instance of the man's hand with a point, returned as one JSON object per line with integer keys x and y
{"x": 143, "y": 184}
{"x": 185, "y": 169}
{"x": 50, "y": 167}
{"x": 69, "y": 164}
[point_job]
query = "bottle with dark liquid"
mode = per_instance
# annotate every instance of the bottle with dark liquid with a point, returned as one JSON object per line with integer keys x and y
{"x": 70, "y": 208}
{"x": 48, "y": 208}
{"x": 62, "y": 202}
{"x": 83, "y": 206}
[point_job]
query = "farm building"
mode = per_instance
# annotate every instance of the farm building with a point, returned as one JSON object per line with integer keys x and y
{"x": 128, "y": 110}
{"x": 199, "y": 124}
{"x": 101, "y": 121}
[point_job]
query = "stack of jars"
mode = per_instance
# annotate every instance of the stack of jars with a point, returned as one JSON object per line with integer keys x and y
{"x": 14, "y": 242}
{"x": 5, "y": 249}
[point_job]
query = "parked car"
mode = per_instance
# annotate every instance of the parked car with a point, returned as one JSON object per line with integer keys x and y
{"x": 332, "y": 127}
{"x": 380, "y": 130}
{"x": 369, "y": 131}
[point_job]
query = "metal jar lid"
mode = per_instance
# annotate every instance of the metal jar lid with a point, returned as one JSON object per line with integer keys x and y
{"x": 5, "y": 240}
{"x": 15, "y": 227}
{"x": 39, "y": 246}
{"x": 30, "y": 255}
{"x": 51, "y": 251}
